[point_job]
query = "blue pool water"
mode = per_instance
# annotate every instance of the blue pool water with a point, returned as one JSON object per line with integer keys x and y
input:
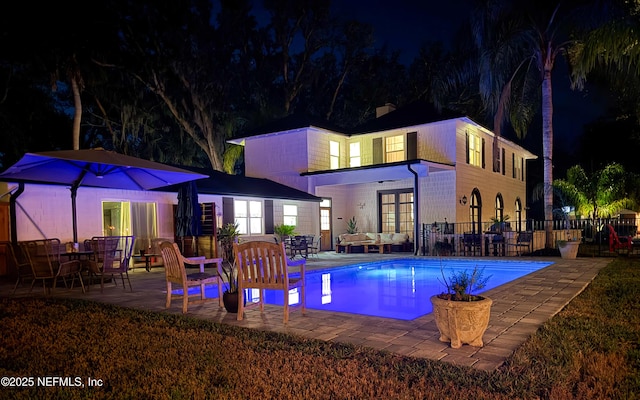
{"x": 398, "y": 289}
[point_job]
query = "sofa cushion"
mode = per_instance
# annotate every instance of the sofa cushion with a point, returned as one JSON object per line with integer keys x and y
{"x": 353, "y": 237}
{"x": 385, "y": 238}
{"x": 399, "y": 238}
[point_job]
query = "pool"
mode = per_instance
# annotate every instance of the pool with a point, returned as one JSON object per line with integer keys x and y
{"x": 398, "y": 289}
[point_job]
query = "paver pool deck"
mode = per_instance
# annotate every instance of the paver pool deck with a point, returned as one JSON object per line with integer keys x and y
{"x": 519, "y": 309}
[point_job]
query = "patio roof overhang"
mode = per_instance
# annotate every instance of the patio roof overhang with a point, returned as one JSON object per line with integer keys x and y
{"x": 377, "y": 173}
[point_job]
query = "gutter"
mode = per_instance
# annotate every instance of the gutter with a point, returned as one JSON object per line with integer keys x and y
{"x": 12, "y": 211}
{"x": 416, "y": 207}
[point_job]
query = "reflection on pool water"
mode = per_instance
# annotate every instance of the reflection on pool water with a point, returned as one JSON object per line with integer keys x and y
{"x": 398, "y": 289}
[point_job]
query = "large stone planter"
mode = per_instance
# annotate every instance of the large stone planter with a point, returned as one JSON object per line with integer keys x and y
{"x": 568, "y": 250}
{"x": 462, "y": 322}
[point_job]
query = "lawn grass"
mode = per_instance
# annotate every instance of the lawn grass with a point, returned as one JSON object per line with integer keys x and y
{"x": 590, "y": 350}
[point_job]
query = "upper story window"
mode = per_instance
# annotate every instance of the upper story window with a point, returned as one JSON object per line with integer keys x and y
{"x": 394, "y": 148}
{"x": 354, "y": 155}
{"x": 248, "y": 216}
{"x": 290, "y": 214}
{"x": 517, "y": 167}
{"x": 334, "y": 154}
{"x": 475, "y": 150}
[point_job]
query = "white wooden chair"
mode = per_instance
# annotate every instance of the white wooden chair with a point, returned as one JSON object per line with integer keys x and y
{"x": 264, "y": 265}
{"x": 175, "y": 272}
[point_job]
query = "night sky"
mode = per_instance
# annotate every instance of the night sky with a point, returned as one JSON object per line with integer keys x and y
{"x": 405, "y": 24}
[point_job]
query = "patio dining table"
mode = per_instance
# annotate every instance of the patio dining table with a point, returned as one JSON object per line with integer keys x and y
{"x": 77, "y": 255}
{"x": 147, "y": 259}
{"x": 300, "y": 244}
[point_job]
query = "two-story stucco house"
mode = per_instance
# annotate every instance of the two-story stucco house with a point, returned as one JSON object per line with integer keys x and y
{"x": 406, "y": 168}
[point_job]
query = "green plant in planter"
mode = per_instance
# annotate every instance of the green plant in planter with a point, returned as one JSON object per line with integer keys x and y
{"x": 501, "y": 224}
{"x": 284, "y": 230}
{"x": 461, "y": 316}
{"x": 352, "y": 225}
{"x": 461, "y": 285}
{"x": 227, "y": 235}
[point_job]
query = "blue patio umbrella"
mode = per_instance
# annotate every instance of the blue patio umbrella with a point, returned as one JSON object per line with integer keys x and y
{"x": 95, "y": 168}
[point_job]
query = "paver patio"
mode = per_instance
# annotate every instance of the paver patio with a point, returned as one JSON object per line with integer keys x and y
{"x": 519, "y": 309}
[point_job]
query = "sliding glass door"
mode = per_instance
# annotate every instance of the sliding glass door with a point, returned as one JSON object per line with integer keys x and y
{"x": 123, "y": 218}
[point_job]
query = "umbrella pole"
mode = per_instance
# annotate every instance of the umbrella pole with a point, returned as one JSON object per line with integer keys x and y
{"x": 74, "y": 192}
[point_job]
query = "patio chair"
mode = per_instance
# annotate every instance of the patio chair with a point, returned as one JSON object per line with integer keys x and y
{"x": 112, "y": 256}
{"x": 264, "y": 265}
{"x": 315, "y": 247}
{"x": 20, "y": 263}
{"x": 44, "y": 258}
{"x": 472, "y": 243}
{"x": 524, "y": 240}
{"x": 619, "y": 242}
{"x": 300, "y": 245}
{"x": 175, "y": 272}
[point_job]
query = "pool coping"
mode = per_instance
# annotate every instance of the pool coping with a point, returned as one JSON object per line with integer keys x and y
{"x": 519, "y": 309}
{"x": 274, "y": 297}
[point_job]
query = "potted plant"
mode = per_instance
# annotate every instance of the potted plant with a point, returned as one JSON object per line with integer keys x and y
{"x": 500, "y": 224}
{"x": 569, "y": 246}
{"x": 283, "y": 231}
{"x": 352, "y": 225}
{"x": 227, "y": 236}
{"x": 461, "y": 316}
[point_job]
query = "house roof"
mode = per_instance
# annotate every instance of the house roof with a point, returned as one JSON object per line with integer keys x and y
{"x": 220, "y": 183}
{"x": 417, "y": 113}
{"x": 290, "y": 122}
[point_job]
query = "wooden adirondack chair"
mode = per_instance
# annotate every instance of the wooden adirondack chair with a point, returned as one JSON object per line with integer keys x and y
{"x": 619, "y": 242}
{"x": 264, "y": 265}
{"x": 175, "y": 272}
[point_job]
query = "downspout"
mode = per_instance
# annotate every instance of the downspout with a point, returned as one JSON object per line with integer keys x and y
{"x": 12, "y": 211}
{"x": 74, "y": 218}
{"x": 74, "y": 193}
{"x": 416, "y": 208}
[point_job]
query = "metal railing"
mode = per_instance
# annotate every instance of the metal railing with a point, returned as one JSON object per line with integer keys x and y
{"x": 446, "y": 237}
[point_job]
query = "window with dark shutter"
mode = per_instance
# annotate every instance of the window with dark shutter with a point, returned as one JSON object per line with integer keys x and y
{"x": 504, "y": 162}
{"x": 483, "y": 148}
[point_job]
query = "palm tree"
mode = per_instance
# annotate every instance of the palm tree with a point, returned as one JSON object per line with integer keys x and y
{"x": 518, "y": 46}
{"x": 599, "y": 194}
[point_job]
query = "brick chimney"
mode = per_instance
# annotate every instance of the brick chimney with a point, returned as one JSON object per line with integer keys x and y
{"x": 385, "y": 109}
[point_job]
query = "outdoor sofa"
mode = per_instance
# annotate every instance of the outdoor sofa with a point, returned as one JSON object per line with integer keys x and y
{"x": 363, "y": 241}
